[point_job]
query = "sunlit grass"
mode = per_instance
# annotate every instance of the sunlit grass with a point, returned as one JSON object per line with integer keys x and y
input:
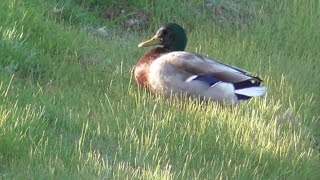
{"x": 70, "y": 109}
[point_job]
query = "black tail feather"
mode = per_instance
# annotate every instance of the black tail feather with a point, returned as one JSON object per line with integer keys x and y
{"x": 242, "y": 97}
{"x": 248, "y": 83}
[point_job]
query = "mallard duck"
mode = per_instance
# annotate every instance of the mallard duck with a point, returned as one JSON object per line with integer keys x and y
{"x": 169, "y": 70}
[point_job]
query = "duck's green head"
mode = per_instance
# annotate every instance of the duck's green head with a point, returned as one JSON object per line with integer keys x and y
{"x": 171, "y": 36}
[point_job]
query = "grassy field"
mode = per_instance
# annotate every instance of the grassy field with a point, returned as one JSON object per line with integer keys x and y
{"x": 69, "y": 108}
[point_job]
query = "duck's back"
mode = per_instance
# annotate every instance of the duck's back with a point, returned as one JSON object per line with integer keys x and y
{"x": 194, "y": 75}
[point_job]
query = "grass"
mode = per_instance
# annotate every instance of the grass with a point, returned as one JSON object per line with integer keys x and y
{"x": 70, "y": 109}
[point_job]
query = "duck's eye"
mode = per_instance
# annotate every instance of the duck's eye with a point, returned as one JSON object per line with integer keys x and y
{"x": 164, "y": 32}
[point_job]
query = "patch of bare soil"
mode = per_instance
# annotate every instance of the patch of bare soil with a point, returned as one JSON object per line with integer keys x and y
{"x": 231, "y": 11}
{"x": 126, "y": 17}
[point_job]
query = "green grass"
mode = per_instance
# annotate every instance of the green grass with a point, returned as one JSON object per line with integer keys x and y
{"x": 70, "y": 109}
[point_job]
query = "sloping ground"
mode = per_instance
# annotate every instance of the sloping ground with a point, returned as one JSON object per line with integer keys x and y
{"x": 69, "y": 108}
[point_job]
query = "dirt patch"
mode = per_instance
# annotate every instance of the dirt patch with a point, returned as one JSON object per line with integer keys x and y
{"x": 231, "y": 11}
{"x": 127, "y": 17}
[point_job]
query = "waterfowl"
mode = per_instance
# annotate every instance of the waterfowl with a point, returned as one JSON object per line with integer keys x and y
{"x": 169, "y": 70}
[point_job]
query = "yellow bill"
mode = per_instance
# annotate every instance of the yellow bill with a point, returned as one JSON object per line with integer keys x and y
{"x": 153, "y": 41}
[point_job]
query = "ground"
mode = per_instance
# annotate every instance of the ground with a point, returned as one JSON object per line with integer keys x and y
{"x": 70, "y": 109}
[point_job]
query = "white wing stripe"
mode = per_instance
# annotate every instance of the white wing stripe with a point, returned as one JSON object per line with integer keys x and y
{"x": 189, "y": 79}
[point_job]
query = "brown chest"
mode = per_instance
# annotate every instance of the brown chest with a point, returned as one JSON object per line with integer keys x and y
{"x": 140, "y": 73}
{"x": 141, "y": 69}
